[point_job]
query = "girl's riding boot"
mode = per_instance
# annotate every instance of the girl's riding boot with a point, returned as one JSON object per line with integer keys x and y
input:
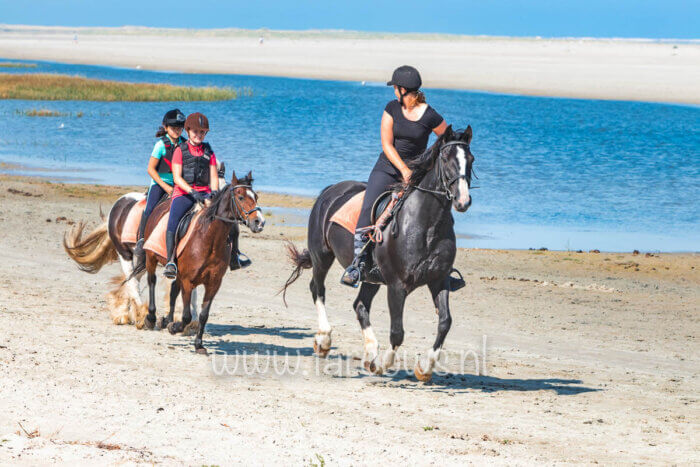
{"x": 238, "y": 260}
{"x": 139, "y": 253}
{"x": 170, "y": 268}
{"x": 354, "y": 273}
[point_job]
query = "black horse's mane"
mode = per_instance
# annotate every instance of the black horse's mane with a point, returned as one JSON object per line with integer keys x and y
{"x": 421, "y": 165}
{"x": 216, "y": 201}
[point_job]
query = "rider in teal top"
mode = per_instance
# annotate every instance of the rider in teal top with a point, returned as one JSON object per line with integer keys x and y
{"x": 158, "y": 152}
{"x": 160, "y": 169}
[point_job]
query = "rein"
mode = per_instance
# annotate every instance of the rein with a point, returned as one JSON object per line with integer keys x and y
{"x": 446, "y": 184}
{"x": 241, "y": 216}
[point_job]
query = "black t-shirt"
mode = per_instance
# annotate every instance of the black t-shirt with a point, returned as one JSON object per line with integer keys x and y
{"x": 410, "y": 138}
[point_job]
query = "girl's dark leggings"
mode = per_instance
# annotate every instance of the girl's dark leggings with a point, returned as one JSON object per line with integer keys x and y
{"x": 155, "y": 193}
{"x": 178, "y": 207}
{"x": 379, "y": 182}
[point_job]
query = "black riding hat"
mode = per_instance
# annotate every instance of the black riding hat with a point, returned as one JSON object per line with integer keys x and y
{"x": 174, "y": 118}
{"x": 407, "y": 77}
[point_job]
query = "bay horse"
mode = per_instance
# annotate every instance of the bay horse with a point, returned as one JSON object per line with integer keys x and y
{"x": 206, "y": 258}
{"x": 420, "y": 250}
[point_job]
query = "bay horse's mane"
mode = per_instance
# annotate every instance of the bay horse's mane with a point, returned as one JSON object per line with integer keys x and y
{"x": 216, "y": 201}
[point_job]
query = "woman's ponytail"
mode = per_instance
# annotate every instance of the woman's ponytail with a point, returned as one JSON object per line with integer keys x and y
{"x": 414, "y": 98}
{"x": 161, "y": 132}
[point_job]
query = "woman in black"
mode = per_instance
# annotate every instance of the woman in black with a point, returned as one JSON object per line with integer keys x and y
{"x": 406, "y": 126}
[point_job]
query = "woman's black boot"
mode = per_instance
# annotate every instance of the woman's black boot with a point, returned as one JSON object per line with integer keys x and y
{"x": 355, "y": 272}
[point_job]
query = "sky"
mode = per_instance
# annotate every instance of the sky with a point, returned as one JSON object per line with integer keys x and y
{"x": 673, "y": 19}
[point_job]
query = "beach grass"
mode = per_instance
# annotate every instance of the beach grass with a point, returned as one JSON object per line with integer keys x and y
{"x": 41, "y": 113}
{"x": 73, "y": 88}
{"x": 17, "y": 65}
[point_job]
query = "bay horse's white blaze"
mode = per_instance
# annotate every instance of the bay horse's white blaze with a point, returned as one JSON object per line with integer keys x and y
{"x": 463, "y": 187}
{"x": 323, "y": 336}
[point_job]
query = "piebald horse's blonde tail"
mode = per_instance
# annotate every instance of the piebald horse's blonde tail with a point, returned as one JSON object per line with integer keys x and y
{"x": 91, "y": 252}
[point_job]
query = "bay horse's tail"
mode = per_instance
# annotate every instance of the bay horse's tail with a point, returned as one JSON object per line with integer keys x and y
{"x": 91, "y": 252}
{"x": 301, "y": 260}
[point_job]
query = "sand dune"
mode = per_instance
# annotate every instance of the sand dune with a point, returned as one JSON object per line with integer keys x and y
{"x": 583, "y": 68}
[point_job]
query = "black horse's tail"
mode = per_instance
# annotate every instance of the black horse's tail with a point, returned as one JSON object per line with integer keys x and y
{"x": 301, "y": 260}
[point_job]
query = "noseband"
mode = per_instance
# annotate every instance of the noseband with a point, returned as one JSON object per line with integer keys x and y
{"x": 241, "y": 216}
{"x": 444, "y": 182}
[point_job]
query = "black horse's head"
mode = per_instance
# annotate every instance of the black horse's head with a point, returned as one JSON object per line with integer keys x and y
{"x": 458, "y": 160}
{"x": 452, "y": 160}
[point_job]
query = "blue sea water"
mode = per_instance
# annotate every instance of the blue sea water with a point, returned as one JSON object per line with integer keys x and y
{"x": 556, "y": 173}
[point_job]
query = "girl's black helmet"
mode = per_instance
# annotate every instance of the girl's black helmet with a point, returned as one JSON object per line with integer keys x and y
{"x": 174, "y": 118}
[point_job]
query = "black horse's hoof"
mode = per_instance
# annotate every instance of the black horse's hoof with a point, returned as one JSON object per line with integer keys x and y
{"x": 201, "y": 351}
{"x": 174, "y": 328}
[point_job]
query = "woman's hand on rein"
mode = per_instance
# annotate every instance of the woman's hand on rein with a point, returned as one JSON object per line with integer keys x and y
{"x": 406, "y": 174}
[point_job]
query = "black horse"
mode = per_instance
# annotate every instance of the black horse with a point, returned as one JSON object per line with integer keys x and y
{"x": 418, "y": 247}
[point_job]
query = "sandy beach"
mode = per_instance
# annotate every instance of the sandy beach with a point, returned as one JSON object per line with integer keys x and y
{"x": 637, "y": 70}
{"x": 583, "y": 358}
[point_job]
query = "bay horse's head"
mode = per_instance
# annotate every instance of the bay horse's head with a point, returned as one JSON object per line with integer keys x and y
{"x": 244, "y": 202}
{"x": 452, "y": 160}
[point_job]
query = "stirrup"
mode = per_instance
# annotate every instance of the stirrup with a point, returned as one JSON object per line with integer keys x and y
{"x": 456, "y": 283}
{"x": 345, "y": 279}
{"x": 167, "y": 273}
{"x": 243, "y": 260}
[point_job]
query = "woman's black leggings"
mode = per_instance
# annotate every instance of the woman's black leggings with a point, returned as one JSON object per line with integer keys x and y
{"x": 379, "y": 182}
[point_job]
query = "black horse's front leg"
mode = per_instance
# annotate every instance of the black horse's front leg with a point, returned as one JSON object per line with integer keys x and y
{"x": 440, "y": 291}
{"x": 396, "y": 296}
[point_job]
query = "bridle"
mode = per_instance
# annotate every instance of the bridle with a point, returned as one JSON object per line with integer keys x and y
{"x": 241, "y": 216}
{"x": 444, "y": 182}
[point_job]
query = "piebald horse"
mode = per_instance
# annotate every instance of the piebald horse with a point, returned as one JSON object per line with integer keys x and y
{"x": 418, "y": 248}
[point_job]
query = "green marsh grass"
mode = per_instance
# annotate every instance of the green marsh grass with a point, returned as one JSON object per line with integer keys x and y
{"x": 73, "y": 88}
{"x": 40, "y": 113}
{"x": 17, "y": 65}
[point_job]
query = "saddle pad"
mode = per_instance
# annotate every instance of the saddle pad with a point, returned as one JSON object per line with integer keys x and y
{"x": 349, "y": 213}
{"x": 156, "y": 241}
{"x": 133, "y": 219}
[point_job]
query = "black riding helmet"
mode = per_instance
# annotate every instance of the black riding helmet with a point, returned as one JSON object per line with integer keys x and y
{"x": 406, "y": 77}
{"x": 174, "y": 118}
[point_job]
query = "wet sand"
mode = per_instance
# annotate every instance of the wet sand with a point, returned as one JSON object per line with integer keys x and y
{"x": 638, "y": 70}
{"x": 588, "y": 358}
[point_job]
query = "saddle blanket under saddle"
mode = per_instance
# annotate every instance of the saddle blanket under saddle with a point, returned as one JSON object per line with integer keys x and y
{"x": 349, "y": 213}
{"x": 156, "y": 240}
{"x": 133, "y": 219}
